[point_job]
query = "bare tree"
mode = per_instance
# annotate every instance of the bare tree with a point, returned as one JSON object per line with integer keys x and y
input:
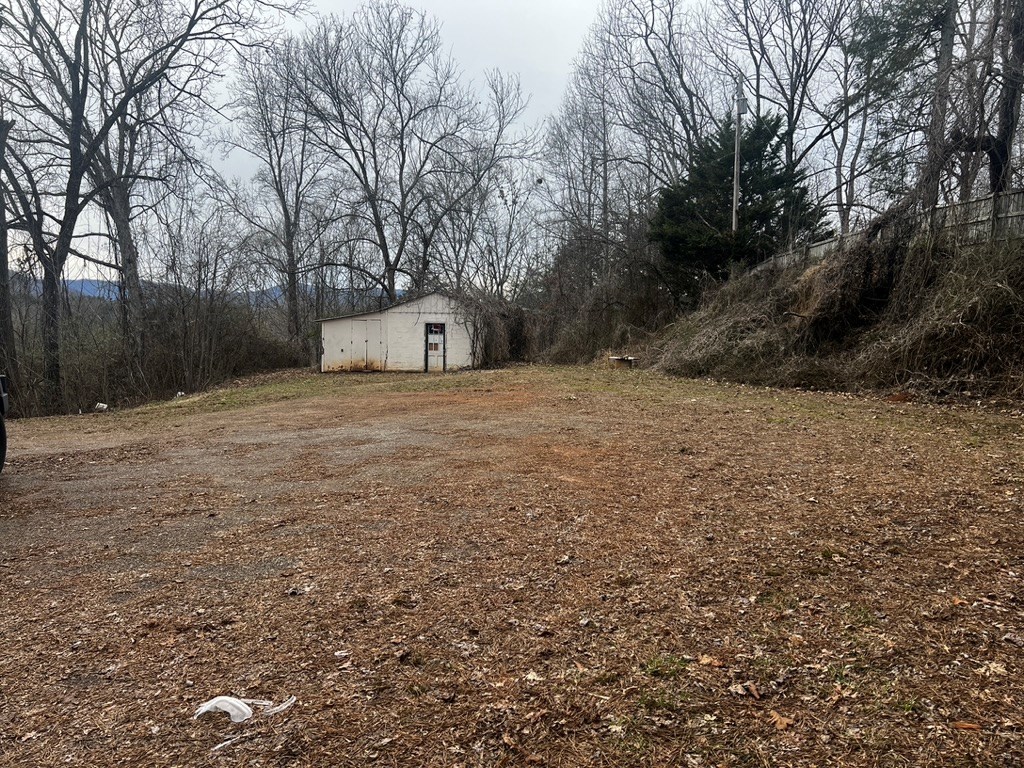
{"x": 580, "y": 171}
{"x": 1006, "y": 54}
{"x": 393, "y": 115}
{"x": 662, "y": 90}
{"x": 291, "y": 205}
{"x": 488, "y": 247}
{"x": 506, "y": 253}
{"x": 788, "y": 47}
{"x": 200, "y": 258}
{"x": 856, "y": 90}
{"x": 935, "y": 132}
{"x": 74, "y": 72}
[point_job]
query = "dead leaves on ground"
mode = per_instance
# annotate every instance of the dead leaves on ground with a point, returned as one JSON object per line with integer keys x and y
{"x": 790, "y": 587}
{"x": 781, "y": 722}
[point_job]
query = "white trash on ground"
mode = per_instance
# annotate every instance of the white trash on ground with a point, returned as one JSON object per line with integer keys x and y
{"x": 236, "y": 709}
{"x": 280, "y": 707}
{"x": 240, "y": 710}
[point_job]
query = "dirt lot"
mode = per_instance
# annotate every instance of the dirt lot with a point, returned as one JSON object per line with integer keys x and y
{"x": 530, "y": 567}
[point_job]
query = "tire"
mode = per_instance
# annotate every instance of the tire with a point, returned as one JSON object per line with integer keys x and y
{"x": 3, "y": 443}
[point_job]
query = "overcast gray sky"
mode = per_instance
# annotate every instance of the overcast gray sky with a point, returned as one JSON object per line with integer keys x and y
{"x": 536, "y": 39}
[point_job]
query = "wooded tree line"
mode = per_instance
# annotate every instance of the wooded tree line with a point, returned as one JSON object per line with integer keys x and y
{"x": 856, "y": 107}
{"x": 376, "y": 168}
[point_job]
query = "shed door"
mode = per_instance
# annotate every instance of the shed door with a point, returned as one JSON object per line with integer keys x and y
{"x": 366, "y": 353}
{"x": 436, "y": 359}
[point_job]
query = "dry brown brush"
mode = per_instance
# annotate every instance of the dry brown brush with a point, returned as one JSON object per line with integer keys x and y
{"x": 503, "y": 332}
{"x": 745, "y": 330}
{"x": 896, "y": 309}
{"x": 623, "y": 312}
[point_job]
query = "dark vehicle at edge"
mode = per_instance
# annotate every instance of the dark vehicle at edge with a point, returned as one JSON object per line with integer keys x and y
{"x": 3, "y": 426}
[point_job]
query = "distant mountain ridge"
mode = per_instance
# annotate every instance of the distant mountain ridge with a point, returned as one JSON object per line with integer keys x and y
{"x": 96, "y": 289}
{"x": 107, "y": 290}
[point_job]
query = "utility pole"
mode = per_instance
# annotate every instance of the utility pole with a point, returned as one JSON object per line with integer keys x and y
{"x": 741, "y": 109}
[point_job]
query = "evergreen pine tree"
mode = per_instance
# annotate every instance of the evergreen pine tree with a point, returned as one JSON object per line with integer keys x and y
{"x": 693, "y": 221}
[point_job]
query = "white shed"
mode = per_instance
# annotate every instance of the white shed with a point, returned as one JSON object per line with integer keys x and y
{"x": 430, "y": 333}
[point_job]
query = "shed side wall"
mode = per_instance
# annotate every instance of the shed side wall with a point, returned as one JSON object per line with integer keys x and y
{"x": 336, "y": 338}
{"x": 407, "y": 334}
{"x": 403, "y": 330}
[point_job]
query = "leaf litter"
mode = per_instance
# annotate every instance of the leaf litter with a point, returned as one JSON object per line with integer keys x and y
{"x": 481, "y": 570}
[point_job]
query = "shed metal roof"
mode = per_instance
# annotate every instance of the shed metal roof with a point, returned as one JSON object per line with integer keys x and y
{"x": 397, "y": 304}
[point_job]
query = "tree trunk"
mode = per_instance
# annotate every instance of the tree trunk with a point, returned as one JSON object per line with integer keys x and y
{"x": 53, "y": 390}
{"x": 391, "y": 287}
{"x": 8, "y": 350}
{"x": 1009, "y": 99}
{"x": 936, "y": 138}
{"x": 118, "y": 205}
{"x": 295, "y": 335}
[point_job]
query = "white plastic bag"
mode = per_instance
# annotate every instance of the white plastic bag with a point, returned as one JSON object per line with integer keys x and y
{"x": 237, "y": 709}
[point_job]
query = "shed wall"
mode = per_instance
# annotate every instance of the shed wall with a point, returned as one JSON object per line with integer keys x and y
{"x": 403, "y": 337}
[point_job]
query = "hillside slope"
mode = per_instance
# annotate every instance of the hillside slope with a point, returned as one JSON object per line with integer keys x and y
{"x": 886, "y": 313}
